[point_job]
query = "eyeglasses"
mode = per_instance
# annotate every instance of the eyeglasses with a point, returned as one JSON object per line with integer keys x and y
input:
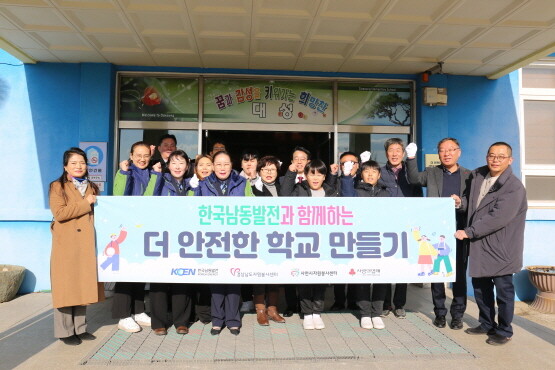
{"x": 222, "y": 165}
{"x": 448, "y": 151}
{"x": 500, "y": 158}
{"x": 342, "y": 163}
{"x": 268, "y": 170}
{"x": 138, "y": 156}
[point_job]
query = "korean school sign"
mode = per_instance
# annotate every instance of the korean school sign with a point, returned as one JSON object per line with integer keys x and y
{"x": 275, "y": 240}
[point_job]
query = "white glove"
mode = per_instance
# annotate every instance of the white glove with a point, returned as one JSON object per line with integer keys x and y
{"x": 193, "y": 182}
{"x": 365, "y": 156}
{"x": 411, "y": 150}
{"x": 258, "y": 183}
{"x": 347, "y": 167}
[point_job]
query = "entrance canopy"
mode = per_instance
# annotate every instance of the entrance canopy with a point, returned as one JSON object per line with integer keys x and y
{"x": 471, "y": 37}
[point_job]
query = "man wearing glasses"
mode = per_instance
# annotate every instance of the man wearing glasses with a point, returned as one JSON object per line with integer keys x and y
{"x": 497, "y": 209}
{"x": 445, "y": 180}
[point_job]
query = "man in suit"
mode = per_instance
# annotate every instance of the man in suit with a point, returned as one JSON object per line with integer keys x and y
{"x": 443, "y": 181}
{"x": 496, "y": 217}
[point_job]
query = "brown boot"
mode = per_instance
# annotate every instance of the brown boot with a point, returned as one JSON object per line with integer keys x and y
{"x": 261, "y": 315}
{"x": 274, "y": 315}
{"x": 273, "y": 296}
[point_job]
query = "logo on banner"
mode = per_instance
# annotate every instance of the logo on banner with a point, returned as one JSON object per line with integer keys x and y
{"x": 352, "y": 272}
{"x": 295, "y": 272}
{"x": 183, "y": 271}
{"x": 235, "y": 271}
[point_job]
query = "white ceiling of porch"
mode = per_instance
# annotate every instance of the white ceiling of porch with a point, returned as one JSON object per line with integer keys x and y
{"x": 472, "y": 37}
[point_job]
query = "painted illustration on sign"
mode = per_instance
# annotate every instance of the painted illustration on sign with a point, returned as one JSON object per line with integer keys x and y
{"x": 374, "y": 104}
{"x": 234, "y": 240}
{"x": 268, "y": 101}
{"x": 158, "y": 99}
{"x": 112, "y": 250}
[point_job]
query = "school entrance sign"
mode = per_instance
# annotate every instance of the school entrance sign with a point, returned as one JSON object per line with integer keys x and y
{"x": 275, "y": 240}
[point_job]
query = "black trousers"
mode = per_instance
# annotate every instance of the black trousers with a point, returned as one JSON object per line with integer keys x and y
{"x": 458, "y": 306}
{"x": 202, "y": 298}
{"x": 291, "y": 298}
{"x": 369, "y": 307}
{"x": 312, "y": 298}
{"x": 262, "y": 289}
{"x": 246, "y": 292}
{"x": 399, "y": 298}
{"x": 129, "y": 298}
{"x": 225, "y": 305}
{"x": 485, "y": 298}
{"x": 180, "y": 295}
{"x": 340, "y": 296}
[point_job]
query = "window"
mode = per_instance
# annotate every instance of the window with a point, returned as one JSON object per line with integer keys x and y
{"x": 538, "y": 133}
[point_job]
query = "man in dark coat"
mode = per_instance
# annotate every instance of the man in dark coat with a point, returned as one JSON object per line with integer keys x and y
{"x": 443, "y": 181}
{"x": 395, "y": 178}
{"x": 497, "y": 209}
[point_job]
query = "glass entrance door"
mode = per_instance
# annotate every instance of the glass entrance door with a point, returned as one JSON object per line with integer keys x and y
{"x": 280, "y": 144}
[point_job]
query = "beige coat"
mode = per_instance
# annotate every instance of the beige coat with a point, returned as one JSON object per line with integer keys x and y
{"x": 73, "y": 267}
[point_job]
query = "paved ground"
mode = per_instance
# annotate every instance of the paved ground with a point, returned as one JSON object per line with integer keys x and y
{"x": 26, "y": 342}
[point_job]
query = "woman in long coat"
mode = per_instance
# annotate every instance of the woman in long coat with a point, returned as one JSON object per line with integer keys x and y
{"x": 73, "y": 268}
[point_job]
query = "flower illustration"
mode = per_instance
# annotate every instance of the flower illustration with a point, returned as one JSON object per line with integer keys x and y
{"x": 151, "y": 96}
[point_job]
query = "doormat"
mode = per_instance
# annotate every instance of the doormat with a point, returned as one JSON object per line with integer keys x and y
{"x": 342, "y": 339}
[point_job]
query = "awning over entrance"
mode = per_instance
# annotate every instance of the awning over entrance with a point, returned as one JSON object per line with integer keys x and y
{"x": 471, "y": 37}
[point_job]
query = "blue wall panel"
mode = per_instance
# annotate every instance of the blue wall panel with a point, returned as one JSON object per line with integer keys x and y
{"x": 28, "y": 244}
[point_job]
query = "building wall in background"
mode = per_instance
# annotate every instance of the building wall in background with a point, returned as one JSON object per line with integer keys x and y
{"x": 48, "y": 107}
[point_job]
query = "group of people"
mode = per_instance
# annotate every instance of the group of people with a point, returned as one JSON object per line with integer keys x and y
{"x": 490, "y": 205}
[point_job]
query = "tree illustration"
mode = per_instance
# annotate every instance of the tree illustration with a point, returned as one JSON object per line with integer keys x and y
{"x": 393, "y": 107}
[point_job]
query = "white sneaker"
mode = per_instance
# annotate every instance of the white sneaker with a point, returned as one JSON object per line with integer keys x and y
{"x": 366, "y": 323}
{"x": 308, "y": 322}
{"x": 377, "y": 322}
{"x": 142, "y": 319}
{"x": 129, "y": 325}
{"x": 318, "y": 322}
{"x": 247, "y": 306}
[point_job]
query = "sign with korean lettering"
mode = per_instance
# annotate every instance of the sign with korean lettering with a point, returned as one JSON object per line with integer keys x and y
{"x": 262, "y": 101}
{"x": 96, "y": 159}
{"x": 151, "y": 98}
{"x": 377, "y": 104}
{"x": 275, "y": 240}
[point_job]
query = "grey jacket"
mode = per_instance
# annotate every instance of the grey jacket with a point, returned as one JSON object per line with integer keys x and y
{"x": 432, "y": 179}
{"x": 496, "y": 226}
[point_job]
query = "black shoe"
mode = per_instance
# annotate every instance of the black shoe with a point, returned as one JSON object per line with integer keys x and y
{"x": 479, "y": 331}
{"x": 86, "y": 336}
{"x": 235, "y": 331}
{"x": 215, "y": 331}
{"x": 352, "y": 306}
{"x": 288, "y": 313}
{"x": 72, "y": 340}
{"x": 456, "y": 324}
{"x": 337, "y": 307}
{"x": 497, "y": 340}
{"x": 440, "y": 321}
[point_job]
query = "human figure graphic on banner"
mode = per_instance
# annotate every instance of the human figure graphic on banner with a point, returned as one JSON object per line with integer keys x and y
{"x": 426, "y": 252}
{"x": 443, "y": 251}
{"x": 111, "y": 251}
